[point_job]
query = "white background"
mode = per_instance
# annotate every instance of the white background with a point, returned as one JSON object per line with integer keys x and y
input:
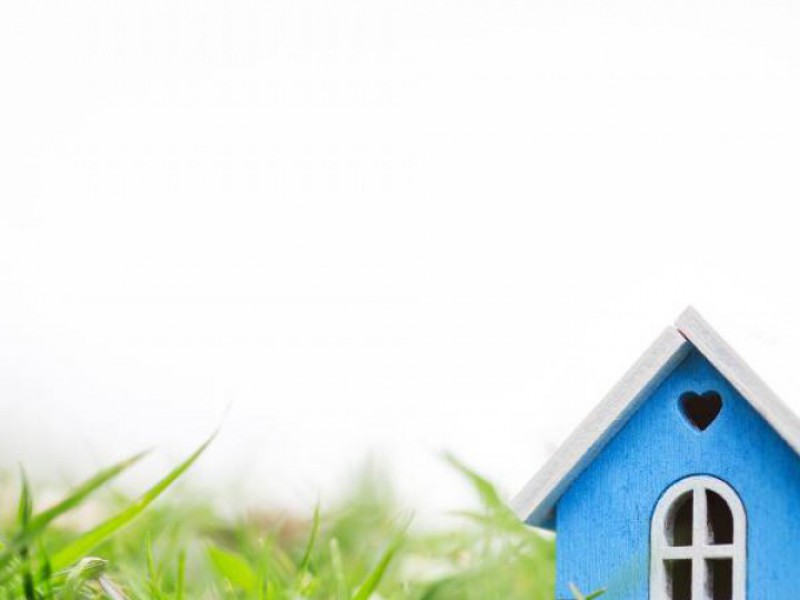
{"x": 371, "y": 227}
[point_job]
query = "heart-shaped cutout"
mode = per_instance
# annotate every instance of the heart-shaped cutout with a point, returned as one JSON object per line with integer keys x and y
{"x": 701, "y": 410}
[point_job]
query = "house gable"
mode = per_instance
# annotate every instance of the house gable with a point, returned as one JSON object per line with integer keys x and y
{"x": 536, "y": 502}
{"x": 603, "y": 517}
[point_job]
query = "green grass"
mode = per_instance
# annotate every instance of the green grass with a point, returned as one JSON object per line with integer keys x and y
{"x": 180, "y": 548}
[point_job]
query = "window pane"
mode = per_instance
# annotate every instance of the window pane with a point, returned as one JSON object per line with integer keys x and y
{"x": 679, "y": 521}
{"x": 720, "y": 578}
{"x": 679, "y": 579}
{"x": 720, "y": 519}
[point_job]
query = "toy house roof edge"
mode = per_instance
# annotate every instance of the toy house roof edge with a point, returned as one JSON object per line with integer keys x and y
{"x": 728, "y": 362}
{"x": 535, "y": 504}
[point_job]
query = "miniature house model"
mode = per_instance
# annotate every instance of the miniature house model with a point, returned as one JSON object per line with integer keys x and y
{"x": 683, "y": 484}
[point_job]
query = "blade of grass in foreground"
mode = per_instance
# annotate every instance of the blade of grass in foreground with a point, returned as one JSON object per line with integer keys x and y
{"x": 44, "y": 518}
{"x": 25, "y": 506}
{"x": 24, "y": 512}
{"x": 234, "y": 568}
{"x": 37, "y": 523}
{"x": 579, "y": 595}
{"x": 498, "y": 512}
{"x": 487, "y": 492}
{"x": 312, "y": 539}
{"x": 89, "y": 569}
{"x": 338, "y": 570}
{"x": 83, "y": 544}
{"x": 181, "y": 575}
{"x": 366, "y": 589}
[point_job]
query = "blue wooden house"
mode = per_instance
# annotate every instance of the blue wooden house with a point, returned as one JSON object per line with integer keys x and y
{"x": 683, "y": 484}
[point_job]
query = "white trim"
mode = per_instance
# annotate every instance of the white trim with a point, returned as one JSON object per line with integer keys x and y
{"x": 536, "y": 502}
{"x": 725, "y": 359}
{"x": 701, "y": 548}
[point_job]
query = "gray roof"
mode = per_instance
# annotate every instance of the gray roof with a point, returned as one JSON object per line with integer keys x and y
{"x": 536, "y": 502}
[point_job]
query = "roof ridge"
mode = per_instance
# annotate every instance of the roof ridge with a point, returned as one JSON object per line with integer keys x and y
{"x": 732, "y": 366}
{"x": 536, "y": 502}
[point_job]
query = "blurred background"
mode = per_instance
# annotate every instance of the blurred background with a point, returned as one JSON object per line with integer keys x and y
{"x": 371, "y": 231}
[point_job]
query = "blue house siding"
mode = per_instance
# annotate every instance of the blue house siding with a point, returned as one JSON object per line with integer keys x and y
{"x": 603, "y": 520}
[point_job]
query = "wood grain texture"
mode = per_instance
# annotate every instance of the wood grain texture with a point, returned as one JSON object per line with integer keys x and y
{"x": 604, "y": 517}
{"x": 535, "y": 503}
{"x": 695, "y": 329}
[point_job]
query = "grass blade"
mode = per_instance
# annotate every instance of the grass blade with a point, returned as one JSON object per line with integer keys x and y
{"x": 25, "y": 506}
{"x": 35, "y": 524}
{"x": 579, "y": 595}
{"x": 89, "y": 540}
{"x": 47, "y": 574}
{"x": 88, "y": 569}
{"x": 312, "y": 539}
{"x": 181, "y": 576}
{"x": 80, "y": 493}
{"x": 234, "y": 568}
{"x": 487, "y": 492}
{"x": 24, "y": 511}
{"x": 338, "y": 571}
{"x": 110, "y": 590}
{"x": 374, "y": 578}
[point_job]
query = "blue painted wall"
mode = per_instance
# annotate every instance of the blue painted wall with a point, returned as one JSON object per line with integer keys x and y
{"x": 603, "y": 520}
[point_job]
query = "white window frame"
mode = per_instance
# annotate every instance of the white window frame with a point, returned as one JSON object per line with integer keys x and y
{"x": 701, "y": 549}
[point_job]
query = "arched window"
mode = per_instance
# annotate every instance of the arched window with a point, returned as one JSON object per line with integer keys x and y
{"x": 698, "y": 542}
